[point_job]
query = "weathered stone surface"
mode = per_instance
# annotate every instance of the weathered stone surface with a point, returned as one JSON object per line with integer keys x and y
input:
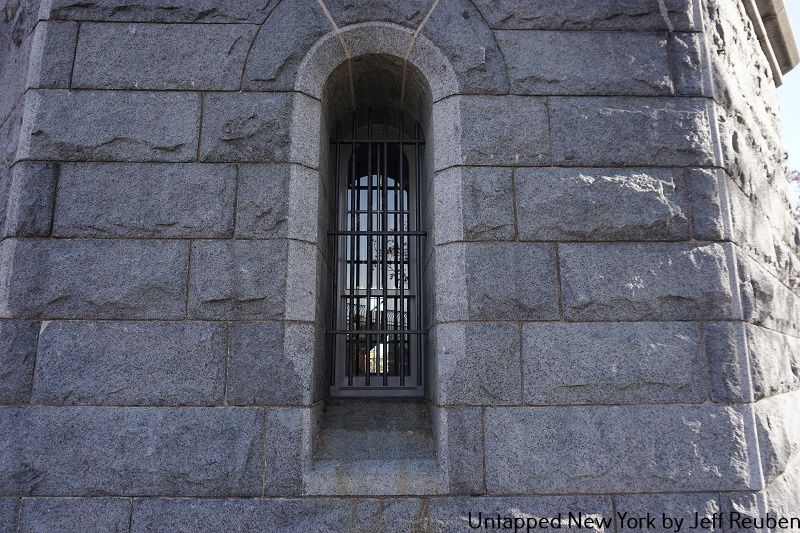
{"x": 158, "y": 56}
{"x": 238, "y": 279}
{"x": 30, "y": 199}
{"x": 110, "y": 126}
{"x": 645, "y": 282}
{"x": 765, "y": 300}
{"x": 774, "y": 361}
{"x": 783, "y": 494}
{"x": 277, "y": 201}
{"x": 751, "y": 229}
{"x": 17, "y": 357}
{"x": 460, "y": 447}
{"x": 727, "y": 362}
{"x": 613, "y": 363}
{"x": 630, "y": 131}
{"x": 778, "y": 433}
{"x": 409, "y": 13}
{"x": 748, "y": 504}
{"x": 453, "y": 514}
{"x": 626, "y": 449}
{"x": 637, "y": 15}
{"x": 496, "y": 281}
{"x": 683, "y": 507}
{"x": 686, "y": 54}
{"x": 584, "y": 63}
{"x": 601, "y": 204}
{"x": 494, "y": 130}
{"x": 709, "y": 200}
{"x": 130, "y": 363}
{"x": 477, "y": 364}
{"x": 127, "y": 451}
{"x": 75, "y": 514}
{"x": 15, "y": 54}
{"x": 93, "y": 278}
{"x": 163, "y": 10}
{"x": 323, "y": 515}
{"x": 288, "y": 450}
{"x": 271, "y": 363}
{"x": 8, "y": 515}
{"x": 474, "y": 204}
{"x": 52, "y": 54}
{"x": 145, "y": 200}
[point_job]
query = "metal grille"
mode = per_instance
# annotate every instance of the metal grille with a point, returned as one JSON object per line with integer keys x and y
{"x": 377, "y": 334}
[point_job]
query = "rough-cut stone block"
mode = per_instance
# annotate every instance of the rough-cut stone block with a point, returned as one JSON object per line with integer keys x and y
{"x": 686, "y": 53}
{"x": 474, "y": 204}
{"x": 460, "y": 447}
{"x": 8, "y": 515}
{"x": 774, "y": 361}
{"x": 110, "y": 126}
{"x": 238, "y": 279}
{"x": 645, "y": 282}
{"x": 323, "y": 515}
{"x": 637, "y": 15}
{"x": 158, "y": 56}
{"x": 778, "y": 433}
{"x": 277, "y": 201}
{"x": 613, "y": 363}
{"x": 409, "y": 13}
{"x": 453, "y": 514}
{"x": 765, "y": 300}
{"x": 93, "y": 278}
{"x": 288, "y": 450}
{"x": 584, "y": 63}
{"x": 477, "y": 364}
{"x": 30, "y": 199}
{"x": 52, "y": 55}
{"x": 130, "y": 363}
{"x": 727, "y": 362}
{"x": 17, "y": 356}
{"x": 145, "y": 200}
{"x": 684, "y": 507}
{"x": 89, "y": 515}
{"x": 271, "y": 363}
{"x": 709, "y": 201}
{"x": 494, "y": 130}
{"x": 496, "y": 281}
{"x": 748, "y": 504}
{"x": 127, "y": 451}
{"x": 630, "y": 131}
{"x": 625, "y": 449}
{"x": 601, "y": 204}
{"x": 163, "y": 10}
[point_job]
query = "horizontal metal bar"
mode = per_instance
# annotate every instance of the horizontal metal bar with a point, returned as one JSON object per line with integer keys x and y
{"x": 376, "y": 332}
{"x": 377, "y": 141}
{"x": 374, "y": 232}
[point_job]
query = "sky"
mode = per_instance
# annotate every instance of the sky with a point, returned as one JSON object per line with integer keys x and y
{"x": 789, "y": 94}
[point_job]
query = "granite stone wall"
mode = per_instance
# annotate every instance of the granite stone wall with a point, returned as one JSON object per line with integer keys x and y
{"x": 612, "y": 266}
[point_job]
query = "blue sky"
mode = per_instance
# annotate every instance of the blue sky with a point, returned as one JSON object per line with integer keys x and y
{"x": 789, "y": 94}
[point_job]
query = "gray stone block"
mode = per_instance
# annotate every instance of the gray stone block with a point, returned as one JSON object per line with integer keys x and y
{"x": 450, "y": 514}
{"x": 130, "y": 363}
{"x": 8, "y": 515}
{"x": 748, "y": 504}
{"x": 288, "y": 450}
{"x": 52, "y": 54}
{"x": 778, "y": 429}
{"x": 277, "y": 201}
{"x": 585, "y": 63}
{"x": 158, "y": 56}
{"x": 610, "y": 449}
{"x": 271, "y": 363}
{"x": 30, "y": 199}
{"x": 93, "y": 278}
{"x": 110, "y": 126}
{"x": 645, "y": 282}
{"x": 323, "y": 515}
{"x": 774, "y": 361}
{"x": 17, "y": 356}
{"x": 496, "y": 281}
{"x": 637, "y": 15}
{"x": 460, "y": 447}
{"x": 709, "y": 201}
{"x": 145, "y": 200}
{"x": 727, "y": 362}
{"x": 127, "y": 451}
{"x": 409, "y": 13}
{"x": 238, "y": 279}
{"x": 89, "y": 515}
{"x": 601, "y": 204}
{"x": 765, "y": 300}
{"x": 163, "y": 10}
{"x": 477, "y": 364}
{"x": 684, "y": 507}
{"x": 686, "y": 54}
{"x": 474, "y": 204}
{"x": 613, "y": 363}
{"x": 627, "y": 131}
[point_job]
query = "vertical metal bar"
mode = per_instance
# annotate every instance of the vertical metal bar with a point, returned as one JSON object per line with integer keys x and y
{"x": 385, "y": 240}
{"x": 369, "y": 236}
{"x": 402, "y": 275}
{"x": 418, "y": 284}
{"x": 351, "y": 349}
{"x": 335, "y": 259}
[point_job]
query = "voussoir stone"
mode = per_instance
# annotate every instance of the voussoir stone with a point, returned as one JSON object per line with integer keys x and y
{"x": 75, "y": 514}
{"x": 163, "y": 10}
{"x": 645, "y": 281}
{"x": 110, "y": 126}
{"x": 585, "y": 63}
{"x": 77, "y": 278}
{"x": 588, "y": 204}
{"x": 145, "y": 200}
{"x": 128, "y": 451}
{"x": 17, "y": 356}
{"x": 609, "y": 449}
{"x": 158, "y": 56}
{"x": 613, "y": 363}
{"x": 130, "y": 363}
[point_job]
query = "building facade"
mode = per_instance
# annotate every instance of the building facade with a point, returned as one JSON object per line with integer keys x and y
{"x": 360, "y": 265}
